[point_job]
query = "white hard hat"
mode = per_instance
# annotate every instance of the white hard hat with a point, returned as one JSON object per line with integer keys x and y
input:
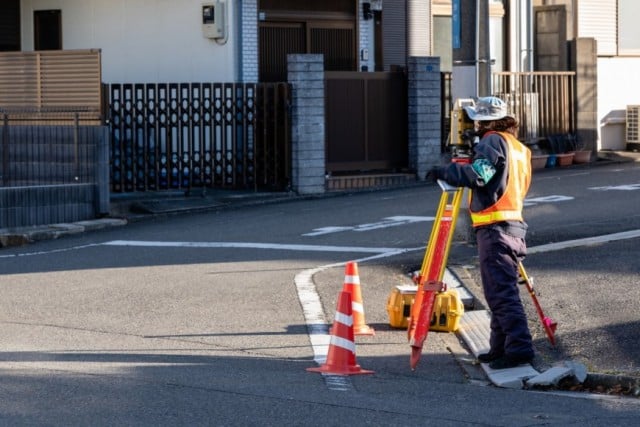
{"x": 487, "y": 109}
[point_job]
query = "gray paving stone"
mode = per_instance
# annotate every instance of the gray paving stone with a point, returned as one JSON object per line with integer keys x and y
{"x": 550, "y": 377}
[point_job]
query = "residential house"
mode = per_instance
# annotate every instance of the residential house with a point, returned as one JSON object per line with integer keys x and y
{"x": 234, "y": 41}
{"x": 611, "y": 23}
{"x": 154, "y": 41}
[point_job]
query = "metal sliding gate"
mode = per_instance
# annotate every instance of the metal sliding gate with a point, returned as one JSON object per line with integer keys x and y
{"x": 190, "y": 135}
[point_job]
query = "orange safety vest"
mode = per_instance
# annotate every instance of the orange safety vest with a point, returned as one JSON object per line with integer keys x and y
{"x": 509, "y": 206}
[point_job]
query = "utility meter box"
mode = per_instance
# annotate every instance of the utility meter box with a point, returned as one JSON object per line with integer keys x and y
{"x": 213, "y": 19}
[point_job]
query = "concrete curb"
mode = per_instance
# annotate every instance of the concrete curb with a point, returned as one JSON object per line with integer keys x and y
{"x": 25, "y": 235}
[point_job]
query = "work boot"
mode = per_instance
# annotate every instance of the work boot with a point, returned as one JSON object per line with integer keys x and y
{"x": 509, "y": 361}
{"x": 489, "y": 357}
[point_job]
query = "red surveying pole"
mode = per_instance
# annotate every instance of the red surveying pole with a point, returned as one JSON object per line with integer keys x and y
{"x": 548, "y": 323}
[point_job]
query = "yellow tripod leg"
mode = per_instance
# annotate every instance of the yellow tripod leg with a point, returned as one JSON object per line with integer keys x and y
{"x": 432, "y": 270}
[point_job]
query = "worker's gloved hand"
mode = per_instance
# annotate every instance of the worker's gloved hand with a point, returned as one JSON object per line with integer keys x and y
{"x": 435, "y": 174}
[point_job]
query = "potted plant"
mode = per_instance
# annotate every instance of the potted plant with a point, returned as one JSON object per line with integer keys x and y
{"x": 538, "y": 155}
{"x": 581, "y": 155}
{"x": 562, "y": 149}
{"x": 539, "y": 160}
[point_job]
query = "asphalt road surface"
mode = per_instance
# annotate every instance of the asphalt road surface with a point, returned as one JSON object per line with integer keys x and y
{"x": 198, "y": 319}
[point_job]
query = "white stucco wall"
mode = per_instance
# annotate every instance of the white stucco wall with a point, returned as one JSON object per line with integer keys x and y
{"x": 618, "y": 86}
{"x": 143, "y": 41}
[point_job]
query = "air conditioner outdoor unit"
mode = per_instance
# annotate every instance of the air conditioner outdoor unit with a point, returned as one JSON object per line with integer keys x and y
{"x": 633, "y": 126}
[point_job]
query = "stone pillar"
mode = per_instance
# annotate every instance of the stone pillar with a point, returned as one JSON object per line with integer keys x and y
{"x": 423, "y": 82}
{"x": 584, "y": 61}
{"x": 306, "y": 76}
{"x": 248, "y": 43}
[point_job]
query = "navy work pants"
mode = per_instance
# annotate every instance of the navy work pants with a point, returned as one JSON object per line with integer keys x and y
{"x": 499, "y": 256}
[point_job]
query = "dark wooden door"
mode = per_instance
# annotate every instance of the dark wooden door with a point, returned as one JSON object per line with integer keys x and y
{"x": 291, "y": 26}
{"x": 366, "y": 121}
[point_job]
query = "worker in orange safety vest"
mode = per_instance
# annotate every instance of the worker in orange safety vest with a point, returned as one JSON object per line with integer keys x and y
{"x": 498, "y": 176}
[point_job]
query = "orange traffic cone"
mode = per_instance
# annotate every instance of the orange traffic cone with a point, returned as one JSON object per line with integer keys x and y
{"x": 352, "y": 285}
{"x": 341, "y": 357}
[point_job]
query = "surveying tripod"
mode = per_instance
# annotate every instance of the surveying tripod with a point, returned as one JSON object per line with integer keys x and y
{"x": 434, "y": 263}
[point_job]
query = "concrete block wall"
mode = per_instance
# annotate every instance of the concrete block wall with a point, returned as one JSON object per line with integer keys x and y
{"x": 424, "y": 114}
{"x": 44, "y": 191}
{"x": 306, "y": 75}
{"x": 47, "y": 204}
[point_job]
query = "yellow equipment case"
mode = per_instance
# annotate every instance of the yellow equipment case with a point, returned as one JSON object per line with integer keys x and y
{"x": 447, "y": 308}
{"x": 399, "y": 305}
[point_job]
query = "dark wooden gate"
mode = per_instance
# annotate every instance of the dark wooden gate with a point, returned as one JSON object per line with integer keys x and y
{"x": 366, "y": 121}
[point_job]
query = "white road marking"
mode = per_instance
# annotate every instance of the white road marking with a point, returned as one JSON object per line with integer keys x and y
{"x": 392, "y": 221}
{"x": 546, "y": 199}
{"x": 313, "y": 312}
{"x": 327, "y": 230}
{"x": 73, "y": 248}
{"x": 629, "y": 187}
{"x": 338, "y": 382}
{"x": 587, "y": 241}
{"x": 247, "y": 245}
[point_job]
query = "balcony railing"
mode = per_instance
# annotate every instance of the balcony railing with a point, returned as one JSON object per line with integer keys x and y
{"x": 543, "y": 102}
